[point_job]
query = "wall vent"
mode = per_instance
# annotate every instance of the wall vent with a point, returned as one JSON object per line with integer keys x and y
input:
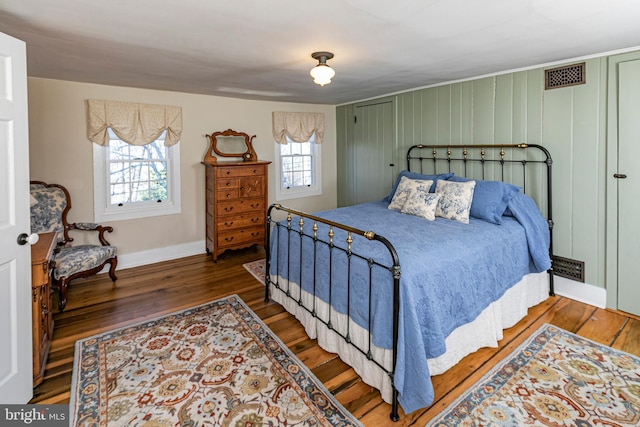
{"x": 568, "y": 75}
{"x": 568, "y": 268}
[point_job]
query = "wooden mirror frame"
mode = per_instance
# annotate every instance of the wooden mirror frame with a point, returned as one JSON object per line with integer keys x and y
{"x": 247, "y": 156}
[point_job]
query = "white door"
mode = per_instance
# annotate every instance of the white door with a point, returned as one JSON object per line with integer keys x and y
{"x": 16, "y": 369}
{"x": 628, "y": 202}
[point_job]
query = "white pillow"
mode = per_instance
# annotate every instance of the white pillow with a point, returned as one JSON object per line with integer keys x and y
{"x": 455, "y": 200}
{"x": 421, "y": 203}
{"x": 404, "y": 187}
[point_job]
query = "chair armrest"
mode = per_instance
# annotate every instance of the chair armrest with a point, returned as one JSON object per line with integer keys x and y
{"x": 84, "y": 226}
{"x": 87, "y": 226}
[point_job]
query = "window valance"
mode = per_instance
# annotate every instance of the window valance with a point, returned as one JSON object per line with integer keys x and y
{"x": 298, "y": 127}
{"x": 136, "y": 124}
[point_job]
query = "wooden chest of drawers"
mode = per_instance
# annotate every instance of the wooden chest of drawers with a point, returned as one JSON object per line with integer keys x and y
{"x": 236, "y": 202}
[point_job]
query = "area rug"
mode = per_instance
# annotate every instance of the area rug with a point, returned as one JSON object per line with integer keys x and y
{"x": 213, "y": 365}
{"x": 257, "y": 269}
{"x": 555, "y": 378}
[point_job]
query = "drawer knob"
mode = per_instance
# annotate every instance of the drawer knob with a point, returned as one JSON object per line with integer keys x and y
{"x": 228, "y": 172}
{"x": 228, "y": 239}
{"x": 255, "y": 234}
{"x": 254, "y": 220}
{"x": 228, "y": 195}
{"x": 228, "y": 209}
{"x": 255, "y": 171}
{"x": 228, "y": 184}
{"x": 228, "y": 224}
{"x": 255, "y": 205}
{"x": 241, "y": 188}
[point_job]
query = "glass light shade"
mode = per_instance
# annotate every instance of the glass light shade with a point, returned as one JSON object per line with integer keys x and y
{"x": 322, "y": 74}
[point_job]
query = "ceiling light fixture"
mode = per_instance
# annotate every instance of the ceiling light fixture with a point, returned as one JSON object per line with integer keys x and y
{"x": 322, "y": 73}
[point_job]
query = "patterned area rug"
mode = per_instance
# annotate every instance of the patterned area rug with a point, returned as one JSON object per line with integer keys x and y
{"x": 556, "y": 378}
{"x": 257, "y": 269}
{"x": 213, "y": 365}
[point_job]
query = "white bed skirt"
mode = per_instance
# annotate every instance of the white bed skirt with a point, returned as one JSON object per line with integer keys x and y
{"x": 484, "y": 331}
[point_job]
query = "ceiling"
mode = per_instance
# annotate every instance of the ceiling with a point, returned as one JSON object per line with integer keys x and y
{"x": 261, "y": 49}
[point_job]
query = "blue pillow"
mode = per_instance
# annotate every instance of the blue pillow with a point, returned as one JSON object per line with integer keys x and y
{"x": 490, "y": 199}
{"x": 416, "y": 175}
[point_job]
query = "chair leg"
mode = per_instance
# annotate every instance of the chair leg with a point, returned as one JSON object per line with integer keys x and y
{"x": 62, "y": 290}
{"x": 112, "y": 269}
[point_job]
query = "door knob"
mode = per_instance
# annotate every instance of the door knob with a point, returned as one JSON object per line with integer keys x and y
{"x": 25, "y": 238}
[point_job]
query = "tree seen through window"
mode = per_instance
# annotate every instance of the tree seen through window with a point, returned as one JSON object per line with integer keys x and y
{"x": 137, "y": 173}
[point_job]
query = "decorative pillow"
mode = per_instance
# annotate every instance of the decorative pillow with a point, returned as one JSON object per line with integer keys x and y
{"x": 405, "y": 186}
{"x": 421, "y": 203}
{"x": 455, "y": 200}
{"x": 490, "y": 199}
{"x": 416, "y": 175}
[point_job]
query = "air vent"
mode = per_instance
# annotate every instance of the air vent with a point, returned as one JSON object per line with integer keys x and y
{"x": 568, "y": 75}
{"x": 568, "y": 268}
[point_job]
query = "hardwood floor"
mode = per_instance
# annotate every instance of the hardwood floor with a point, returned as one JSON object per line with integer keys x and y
{"x": 95, "y": 306}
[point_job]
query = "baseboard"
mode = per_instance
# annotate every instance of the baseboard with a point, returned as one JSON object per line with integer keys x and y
{"x": 583, "y": 292}
{"x": 158, "y": 255}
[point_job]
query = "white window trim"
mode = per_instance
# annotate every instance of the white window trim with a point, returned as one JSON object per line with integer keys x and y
{"x": 103, "y": 212}
{"x": 299, "y": 192}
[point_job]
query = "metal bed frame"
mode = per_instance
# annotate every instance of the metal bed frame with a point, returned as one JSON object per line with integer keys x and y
{"x": 496, "y": 160}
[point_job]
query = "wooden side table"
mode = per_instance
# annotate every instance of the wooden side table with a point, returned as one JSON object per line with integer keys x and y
{"x": 41, "y": 255}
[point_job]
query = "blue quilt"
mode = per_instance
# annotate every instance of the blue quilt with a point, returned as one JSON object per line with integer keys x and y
{"x": 450, "y": 273}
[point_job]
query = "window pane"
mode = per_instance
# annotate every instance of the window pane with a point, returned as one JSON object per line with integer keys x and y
{"x": 287, "y": 180}
{"x": 297, "y": 163}
{"x": 307, "y": 163}
{"x": 118, "y": 172}
{"x": 297, "y": 178}
{"x": 307, "y": 178}
{"x": 287, "y": 164}
{"x": 158, "y": 170}
{"x": 158, "y": 190}
{"x": 139, "y": 192}
{"x": 119, "y": 193}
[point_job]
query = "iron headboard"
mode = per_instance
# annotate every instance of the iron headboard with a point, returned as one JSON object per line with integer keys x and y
{"x": 507, "y": 163}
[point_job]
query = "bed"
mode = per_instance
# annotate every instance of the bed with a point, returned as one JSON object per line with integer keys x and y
{"x": 402, "y": 296}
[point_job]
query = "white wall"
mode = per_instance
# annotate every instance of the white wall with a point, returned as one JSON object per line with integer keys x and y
{"x": 61, "y": 153}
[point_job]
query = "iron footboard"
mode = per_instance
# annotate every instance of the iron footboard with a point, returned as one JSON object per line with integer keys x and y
{"x": 305, "y": 228}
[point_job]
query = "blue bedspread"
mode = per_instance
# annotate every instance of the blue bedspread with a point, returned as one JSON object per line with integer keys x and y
{"x": 450, "y": 273}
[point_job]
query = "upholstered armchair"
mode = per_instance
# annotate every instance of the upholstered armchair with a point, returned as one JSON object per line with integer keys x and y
{"x": 50, "y": 205}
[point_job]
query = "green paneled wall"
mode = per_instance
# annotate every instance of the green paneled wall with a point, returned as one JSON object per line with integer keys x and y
{"x": 515, "y": 108}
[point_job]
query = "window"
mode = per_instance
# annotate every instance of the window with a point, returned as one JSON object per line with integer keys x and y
{"x": 135, "y": 181}
{"x": 298, "y": 169}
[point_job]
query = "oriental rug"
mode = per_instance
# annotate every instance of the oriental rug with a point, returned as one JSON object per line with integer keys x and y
{"x": 213, "y": 365}
{"x": 555, "y": 378}
{"x": 257, "y": 269}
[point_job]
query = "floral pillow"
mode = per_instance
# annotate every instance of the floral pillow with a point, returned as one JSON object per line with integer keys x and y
{"x": 421, "y": 203}
{"x": 455, "y": 200}
{"x": 404, "y": 188}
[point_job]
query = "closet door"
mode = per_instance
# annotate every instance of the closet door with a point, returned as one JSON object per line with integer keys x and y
{"x": 629, "y": 187}
{"x": 373, "y": 151}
